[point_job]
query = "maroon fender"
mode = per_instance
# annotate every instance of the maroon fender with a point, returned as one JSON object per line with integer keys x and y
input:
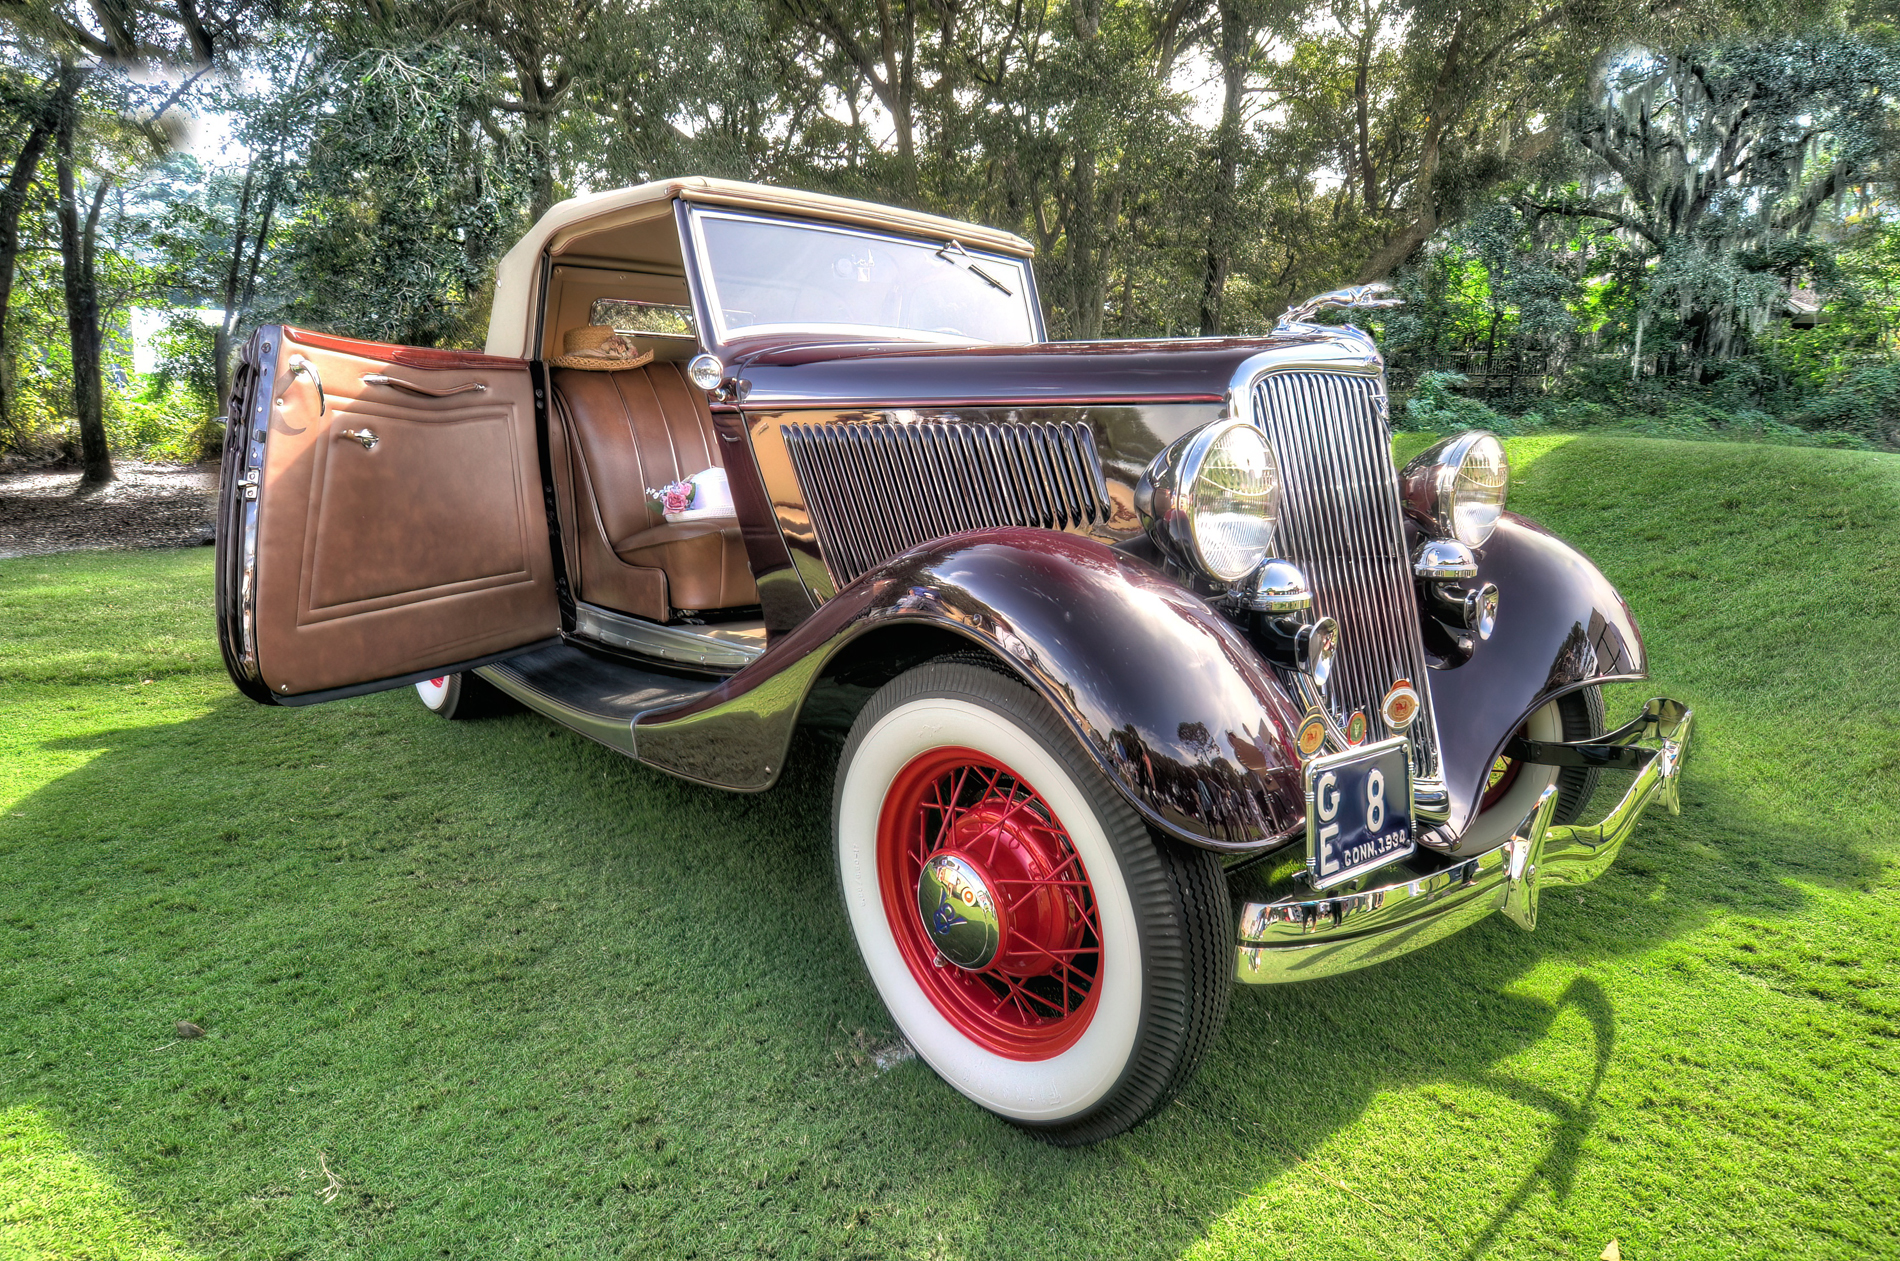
{"x": 1167, "y": 696}
{"x": 1561, "y": 626}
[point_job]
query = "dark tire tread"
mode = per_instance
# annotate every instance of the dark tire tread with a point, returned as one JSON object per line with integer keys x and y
{"x": 1582, "y": 715}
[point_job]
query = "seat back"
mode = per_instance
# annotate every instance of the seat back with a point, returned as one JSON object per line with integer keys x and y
{"x": 632, "y": 431}
{"x": 637, "y": 430}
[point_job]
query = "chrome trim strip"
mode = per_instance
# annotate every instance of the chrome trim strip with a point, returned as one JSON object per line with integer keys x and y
{"x": 251, "y": 486}
{"x": 247, "y": 591}
{"x": 1303, "y": 939}
{"x": 668, "y": 643}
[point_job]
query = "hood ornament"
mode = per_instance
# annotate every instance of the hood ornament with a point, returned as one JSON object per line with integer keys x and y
{"x": 1376, "y": 294}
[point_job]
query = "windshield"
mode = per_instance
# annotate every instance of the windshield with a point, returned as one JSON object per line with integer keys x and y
{"x": 771, "y": 275}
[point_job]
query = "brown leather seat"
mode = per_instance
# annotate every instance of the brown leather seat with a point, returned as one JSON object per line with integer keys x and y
{"x": 635, "y": 430}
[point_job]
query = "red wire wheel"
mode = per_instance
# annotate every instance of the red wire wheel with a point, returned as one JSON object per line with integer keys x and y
{"x": 1036, "y": 996}
{"x": 1499, "y": 782}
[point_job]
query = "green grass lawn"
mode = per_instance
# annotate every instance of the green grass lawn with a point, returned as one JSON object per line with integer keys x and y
{"x": 484, "y": 990}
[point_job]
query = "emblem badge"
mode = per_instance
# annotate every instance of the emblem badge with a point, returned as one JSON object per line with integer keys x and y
{"x": 1356, "y": 728}
{"x": 1312, "y": 735}
{"x": 1400, "y": 705}
{"x": 946, "y": 917}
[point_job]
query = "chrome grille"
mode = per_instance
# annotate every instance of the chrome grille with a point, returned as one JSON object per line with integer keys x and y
{"x": 877, "y": 489}
{"x": 1342, "y": 525}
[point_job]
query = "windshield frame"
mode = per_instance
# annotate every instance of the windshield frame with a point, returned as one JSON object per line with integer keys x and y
{"x": 714, "y": 333}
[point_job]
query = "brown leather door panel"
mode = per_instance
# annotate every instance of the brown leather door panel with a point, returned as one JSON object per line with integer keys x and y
{"x": 433, "y": 505}
{"x": 400, "y": 522}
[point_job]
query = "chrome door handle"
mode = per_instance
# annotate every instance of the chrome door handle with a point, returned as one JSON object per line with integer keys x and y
{"x": 297, "y": 366}
{"x": 365, "y": 436}
{"x": 377, "y": 378}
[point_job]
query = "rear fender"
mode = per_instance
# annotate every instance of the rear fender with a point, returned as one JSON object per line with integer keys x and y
{"x": 1165, "y": 694}
{"x": 1561, "y": 626}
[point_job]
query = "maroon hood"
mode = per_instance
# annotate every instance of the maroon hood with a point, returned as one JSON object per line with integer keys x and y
{"x": 883, "y": 374}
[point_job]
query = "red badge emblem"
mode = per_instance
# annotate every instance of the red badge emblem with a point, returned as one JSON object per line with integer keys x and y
{"x": 1400, "y": 705}
{"x": 1312, "y": 735}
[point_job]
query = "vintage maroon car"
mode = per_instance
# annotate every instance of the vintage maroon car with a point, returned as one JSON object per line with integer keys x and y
{"x": 1157, "y": 673}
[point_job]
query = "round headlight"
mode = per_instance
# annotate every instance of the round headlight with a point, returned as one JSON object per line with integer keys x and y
{"x": 1212, "y": 499}
{"x": 1456, "y": 488}
{"x": 706, "y": 371}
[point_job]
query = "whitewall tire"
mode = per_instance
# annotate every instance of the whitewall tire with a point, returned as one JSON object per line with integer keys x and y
{"x": 460, "y": 696}
{"x": 1075, "y": 967}
{"x": 1514, "y": 789}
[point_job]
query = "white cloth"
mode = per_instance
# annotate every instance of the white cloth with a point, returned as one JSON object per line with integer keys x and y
{"x": 712, "y": 497}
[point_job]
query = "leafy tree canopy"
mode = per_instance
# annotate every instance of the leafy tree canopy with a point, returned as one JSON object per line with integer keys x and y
{"x": 1601, "y": 205}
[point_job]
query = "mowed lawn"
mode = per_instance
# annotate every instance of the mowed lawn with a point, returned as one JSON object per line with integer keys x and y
{"x": 484, "y": 990}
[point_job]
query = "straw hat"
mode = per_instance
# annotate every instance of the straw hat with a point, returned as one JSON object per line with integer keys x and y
{"x": 599, "y": 349}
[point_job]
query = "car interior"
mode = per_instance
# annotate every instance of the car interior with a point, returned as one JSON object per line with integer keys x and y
{"x": 645, "y": 583}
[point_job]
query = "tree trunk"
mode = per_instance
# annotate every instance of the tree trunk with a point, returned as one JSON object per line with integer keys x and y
{"x": 82, "y": 289}
{"x": 897, "y": 47}
{"x": 539, "y": 133}
{"x": 227, "y": 324}
{"x": 1399, "y": 246}
{"x": 1088, "y": 223}
{"x": 238, "y": 295}
{"x": 12, "y": 201}
{"x": 1236, "y": 36}
{"x": 1102, "y": 273}
{"x": 1361, "y": 105}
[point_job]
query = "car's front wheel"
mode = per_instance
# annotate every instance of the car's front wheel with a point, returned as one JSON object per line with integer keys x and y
{"x": 1040, "y": 949}
{"x": 1513, "y": 788}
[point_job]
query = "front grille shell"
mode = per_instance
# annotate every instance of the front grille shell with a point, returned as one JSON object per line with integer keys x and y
{"x": 1342, "y": 525}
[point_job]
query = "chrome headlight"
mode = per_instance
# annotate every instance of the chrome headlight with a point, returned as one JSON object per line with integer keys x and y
{"x": 1456, "y": 488}
{"x": 1212, "y": 499}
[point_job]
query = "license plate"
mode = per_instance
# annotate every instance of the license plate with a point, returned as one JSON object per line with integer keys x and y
{"x": 1358, "y": 811}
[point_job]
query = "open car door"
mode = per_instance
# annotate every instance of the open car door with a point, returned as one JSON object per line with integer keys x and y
{"x": 382, "y": 516}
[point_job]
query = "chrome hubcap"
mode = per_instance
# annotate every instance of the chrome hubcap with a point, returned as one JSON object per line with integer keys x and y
{"x": 960, "y": 914}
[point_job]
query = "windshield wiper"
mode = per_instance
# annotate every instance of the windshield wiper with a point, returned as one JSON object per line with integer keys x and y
{"x": 952, "y": 251}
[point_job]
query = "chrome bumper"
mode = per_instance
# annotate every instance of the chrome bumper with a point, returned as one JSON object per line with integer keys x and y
{"x": 1304, "y": 940}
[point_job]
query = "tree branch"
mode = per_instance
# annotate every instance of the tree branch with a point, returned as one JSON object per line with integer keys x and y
{"x": 1801, "y": 218}
{"x": 1623, "y": 221}
{"x": 90, "y": 234}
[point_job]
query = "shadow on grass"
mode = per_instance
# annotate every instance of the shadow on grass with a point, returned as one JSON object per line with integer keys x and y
{"x": 489, "y": 965}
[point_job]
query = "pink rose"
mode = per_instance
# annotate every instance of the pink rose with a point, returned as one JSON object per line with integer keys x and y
{"x": 675, "y": 496}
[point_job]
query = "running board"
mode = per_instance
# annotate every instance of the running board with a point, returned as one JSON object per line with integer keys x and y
{"x": 591, "y": 694}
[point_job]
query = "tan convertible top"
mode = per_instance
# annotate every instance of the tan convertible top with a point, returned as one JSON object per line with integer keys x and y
{"x": 587, "y": 226}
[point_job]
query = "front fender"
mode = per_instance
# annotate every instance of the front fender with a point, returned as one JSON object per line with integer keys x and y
{"x": 1561, "y": 626}
{"x": 1165, "y": 694}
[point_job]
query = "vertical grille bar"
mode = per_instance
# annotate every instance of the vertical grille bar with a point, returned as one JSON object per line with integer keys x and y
{"x": 874, "y": 490}
{"x": 1341, "y": 525}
